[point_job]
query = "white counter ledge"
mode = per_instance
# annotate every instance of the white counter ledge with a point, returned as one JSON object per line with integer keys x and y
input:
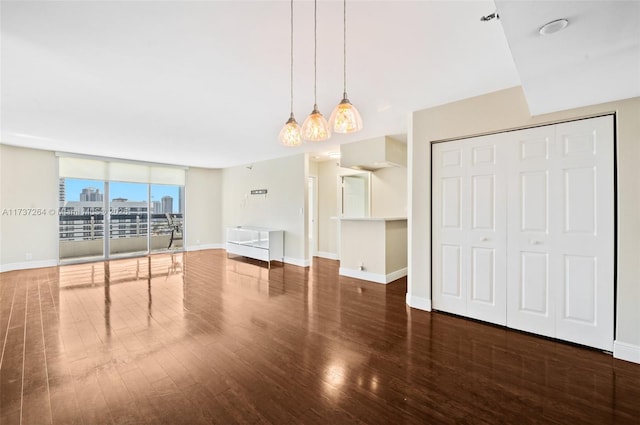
{"x": 370, "y": 218}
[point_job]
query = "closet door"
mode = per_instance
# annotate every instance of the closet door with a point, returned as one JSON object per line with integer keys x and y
{"x": 469, "y": 232}
{"x": 561, "y": 232}
{"x": 449, "y": 232}
{"x": 532, "y": 229}
{"x": 586, "y": 240}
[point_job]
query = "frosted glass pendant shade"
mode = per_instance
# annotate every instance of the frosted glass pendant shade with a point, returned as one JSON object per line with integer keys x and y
{"x": 290, "y": 135}
{"x": 345, "y": 118}
{"x": 315, "y": 128}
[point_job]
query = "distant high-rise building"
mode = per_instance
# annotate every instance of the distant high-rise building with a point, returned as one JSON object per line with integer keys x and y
{"x": 167, "y": 204}
{"x": 62, "y": 192}
{"x": 91, "y": 194}
{"x": 181, "y": 199}
{"x": 156, "y": 207}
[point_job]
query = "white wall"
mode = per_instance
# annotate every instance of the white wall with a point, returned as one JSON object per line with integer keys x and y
{"x": 507, "y": 109}
{"x": 203, "y": 195}
{"x": 28, "y": 179}
{"x": 284, "y": 206}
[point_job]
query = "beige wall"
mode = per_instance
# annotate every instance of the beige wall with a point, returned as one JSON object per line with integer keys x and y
{"x": 28, "y": 179}
{"x": 379, "y": 246}
{"x": 328, "y": 172}
{"x": 396, "y": 245}
{"x": 389, "y": 192}
{"x": 203, "y": 209}
{"x": 507, "y": 109}
{"x": 284, "y": 206}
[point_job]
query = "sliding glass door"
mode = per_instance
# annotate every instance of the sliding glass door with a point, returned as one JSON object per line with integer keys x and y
{"x": 81, "y": 219}
{"x": 167, "y": 218}
{"x": 128, "y": 219}
{"x": 112, "y": 209}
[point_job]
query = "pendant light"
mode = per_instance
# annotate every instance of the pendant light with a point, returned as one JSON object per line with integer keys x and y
{"x": 315, "y": 128}
{"x": 290, "y": 134}
{"x": 345, "y": 118}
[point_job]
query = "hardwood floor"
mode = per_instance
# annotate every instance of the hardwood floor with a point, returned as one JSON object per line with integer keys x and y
{"x": 199, "y": 338}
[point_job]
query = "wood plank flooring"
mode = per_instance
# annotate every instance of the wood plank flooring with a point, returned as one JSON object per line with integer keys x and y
{"x": 198, "y": 338}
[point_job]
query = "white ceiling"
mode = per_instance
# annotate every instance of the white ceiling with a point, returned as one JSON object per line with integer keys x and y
{"x": 595, "y": 59}
{"x": 206, "y": 83}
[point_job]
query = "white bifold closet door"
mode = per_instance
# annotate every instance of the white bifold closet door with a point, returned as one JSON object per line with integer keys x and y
{"x": 544, "y": 263}
{"x": 561, "y": 232}
{"x": 469, "y": 251}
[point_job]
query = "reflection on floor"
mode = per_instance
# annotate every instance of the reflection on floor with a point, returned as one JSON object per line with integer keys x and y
{"x": 199, "y": 338}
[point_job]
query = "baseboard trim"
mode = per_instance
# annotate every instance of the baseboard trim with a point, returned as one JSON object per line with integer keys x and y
{"x": 327, "y": 255}
{"x": 418, "y": 302}
{"x": 396, "y": 275}
{"x": 297, "y": 261}
{"x": 206, "y": 246}
{"x": 27, "y": 265}
{"x": 625, "y": 351}
{"x": 373, "y": 277}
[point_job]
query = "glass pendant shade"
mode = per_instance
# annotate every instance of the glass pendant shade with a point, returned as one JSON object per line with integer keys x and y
{"x": 315, "y": 128}
{"x": 291, "y": 135}
{"x": 345, "y": 118}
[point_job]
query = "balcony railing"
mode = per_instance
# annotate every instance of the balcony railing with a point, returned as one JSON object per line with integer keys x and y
{"x": 82, "y": 235}
{"x": 91, "y": 226}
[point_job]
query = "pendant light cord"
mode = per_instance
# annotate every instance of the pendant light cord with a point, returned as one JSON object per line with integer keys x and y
{"x": 291, "y": 91}
{"x": 315, "y": 52}
{"x": 344, "y": 39}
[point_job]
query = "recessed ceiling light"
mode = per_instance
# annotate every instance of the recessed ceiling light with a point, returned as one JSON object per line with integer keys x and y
{"x": 553, "y": 26}
{"x": 334, "y": 154}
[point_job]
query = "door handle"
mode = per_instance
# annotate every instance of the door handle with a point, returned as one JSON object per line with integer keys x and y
{"x": 484, "y": 239}
{"x": 534, "y": 242}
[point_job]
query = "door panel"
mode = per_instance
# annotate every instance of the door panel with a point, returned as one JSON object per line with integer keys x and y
{"x": 580, "y": 288}
{"x": 451, "y": 202}
{"x": 579, "y": 200}
{"x": 451, "y": 270}
{"x": 534, "y": 197}
{"x": 530, "y": 299}
{"x": 469, "y": 230}
{"x": 486, "y": 242}
{"x": 448, "y": 251}
{"x": 483, "y": 275}
{"x": 483, "y": 202}
{"x": 586, "y": 246}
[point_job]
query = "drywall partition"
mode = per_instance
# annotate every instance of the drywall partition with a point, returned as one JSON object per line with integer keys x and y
{"x": 373, "y": 154}
{"x": 504, "y": 110}
{"x": 28, "y": 208}
{"x": 282, "y": 207}
{"x": 328, "y": 209}
{"x": 389, "y": 192}
{"x": 203, "y": 210}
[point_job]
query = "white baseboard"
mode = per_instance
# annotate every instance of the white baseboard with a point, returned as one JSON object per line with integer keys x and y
{"x": 28, "y": 265}
{"x": 205, "y": 246}
{"x": 396, "y": 275}
{"x": 327, "y": 255}
{"x": 297, "y": 261}
{"x": 418, "y": 302}
{"x": 628, "y": 352}
{"x": 373, "y": 277}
